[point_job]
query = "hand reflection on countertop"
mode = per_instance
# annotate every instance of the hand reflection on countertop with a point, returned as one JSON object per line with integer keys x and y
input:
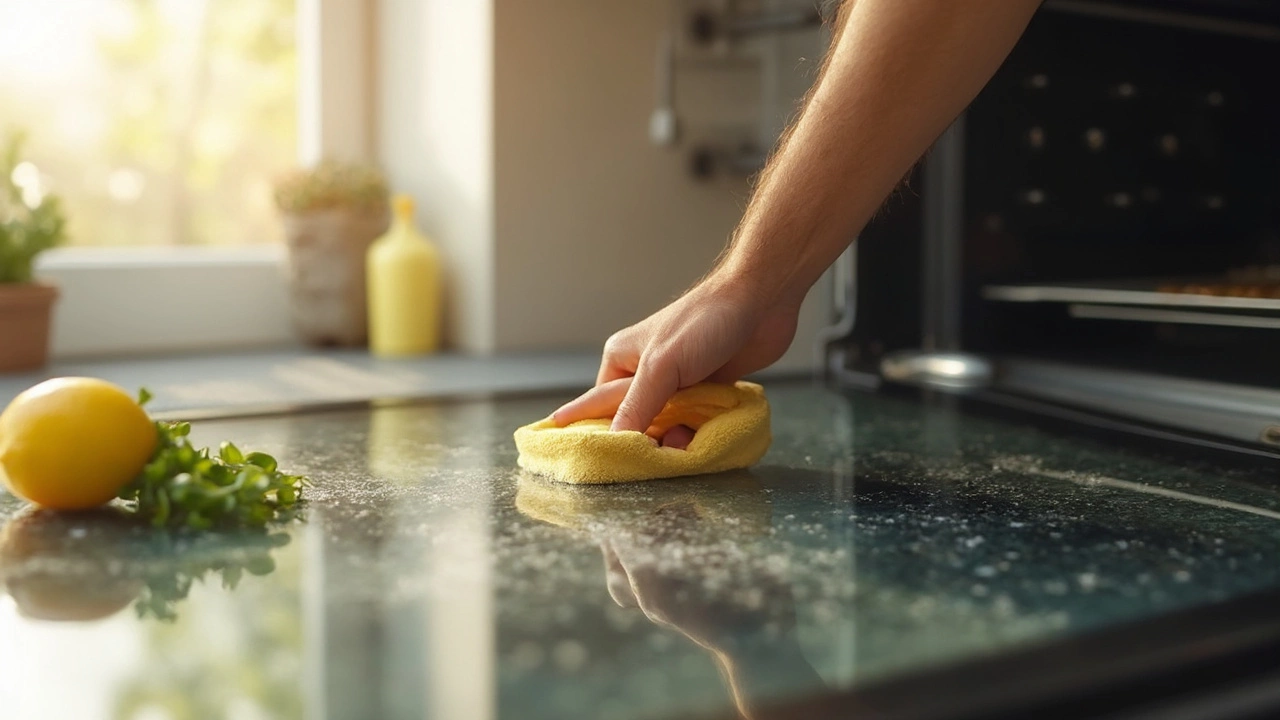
{"x": 91, "y": 565}
{"x": 687, "y": 554}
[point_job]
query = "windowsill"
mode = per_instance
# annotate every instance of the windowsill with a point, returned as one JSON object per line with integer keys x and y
{"x": 93, "y": 258}
{"x": 147, "y": 301}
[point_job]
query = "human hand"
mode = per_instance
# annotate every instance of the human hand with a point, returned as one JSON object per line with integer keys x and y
{"x": 720, "y": 331}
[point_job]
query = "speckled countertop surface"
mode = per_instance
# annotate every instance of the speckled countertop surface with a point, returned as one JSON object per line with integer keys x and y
{"x": 431, "y": 578}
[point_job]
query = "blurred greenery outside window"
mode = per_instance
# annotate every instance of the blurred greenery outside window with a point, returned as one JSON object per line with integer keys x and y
{"x": 159, "y": 122}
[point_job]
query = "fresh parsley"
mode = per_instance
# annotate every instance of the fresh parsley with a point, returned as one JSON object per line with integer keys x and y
{"x": 182, "y": 486}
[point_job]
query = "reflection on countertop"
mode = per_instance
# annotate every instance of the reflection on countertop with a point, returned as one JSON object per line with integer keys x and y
{"x": 88, "y": 566}
{"x": 688, "y": 556}
{"x": 431, "y": 578}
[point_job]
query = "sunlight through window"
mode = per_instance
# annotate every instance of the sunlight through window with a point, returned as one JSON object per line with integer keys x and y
{"x": 159, "y": 122}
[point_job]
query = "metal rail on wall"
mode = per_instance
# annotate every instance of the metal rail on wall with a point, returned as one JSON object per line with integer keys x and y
{"x": 717, "y": 32}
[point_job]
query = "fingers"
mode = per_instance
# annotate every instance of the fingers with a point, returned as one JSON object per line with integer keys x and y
{"x": 604, "y": 402}
{"x": 678, "y": 437}
{"x": 651, "y": 388}
{"x": 610, "y": 371}
{"x": 619, "y": 358}
{"x": 601, "y": 401}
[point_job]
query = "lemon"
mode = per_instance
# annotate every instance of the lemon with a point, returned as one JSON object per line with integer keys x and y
{"x": 73, "y": 443}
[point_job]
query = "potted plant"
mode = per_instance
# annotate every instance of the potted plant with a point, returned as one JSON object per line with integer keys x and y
{"x": 31, "y": 221}
{"x": 332, "y": 213}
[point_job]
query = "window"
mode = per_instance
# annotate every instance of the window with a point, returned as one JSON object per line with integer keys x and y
{"x": 159, "y": 122}
{"x": 162, "y": 124}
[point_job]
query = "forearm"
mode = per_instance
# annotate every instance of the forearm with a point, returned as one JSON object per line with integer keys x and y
{"x": 898, "y": 73}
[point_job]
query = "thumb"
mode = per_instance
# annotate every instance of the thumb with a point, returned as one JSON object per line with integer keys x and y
{"x": 649, "y": 392}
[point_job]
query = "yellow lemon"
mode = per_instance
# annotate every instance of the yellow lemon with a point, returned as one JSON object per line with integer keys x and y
{"x": 72, "y": 443}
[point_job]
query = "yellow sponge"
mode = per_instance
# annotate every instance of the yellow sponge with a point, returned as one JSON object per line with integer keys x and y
{"x": 732, "y": 432}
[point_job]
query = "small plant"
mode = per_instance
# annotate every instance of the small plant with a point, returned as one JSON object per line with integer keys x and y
{"x": 332, "y": 185}
{"x": 31, "y": 221}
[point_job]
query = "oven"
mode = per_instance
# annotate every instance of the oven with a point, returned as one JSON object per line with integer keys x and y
{"x": 1098, "y": 235}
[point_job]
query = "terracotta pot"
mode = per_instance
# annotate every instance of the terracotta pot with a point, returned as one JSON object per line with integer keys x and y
{"x": 327, "y": 273}
{"x": 26, "y": 313}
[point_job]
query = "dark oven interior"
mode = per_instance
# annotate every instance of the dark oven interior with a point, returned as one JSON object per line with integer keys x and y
{"x": 1121, "y": 195}
{"x": 1139, "y": 159}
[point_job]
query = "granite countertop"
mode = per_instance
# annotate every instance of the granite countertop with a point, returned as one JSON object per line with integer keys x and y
{"x": 431, "y": 578}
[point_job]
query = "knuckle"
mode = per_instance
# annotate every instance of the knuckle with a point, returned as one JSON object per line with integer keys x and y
{"x": 660, "y": 359}
{"x": 614, "y": 344}
{"x": 664, "y": 368}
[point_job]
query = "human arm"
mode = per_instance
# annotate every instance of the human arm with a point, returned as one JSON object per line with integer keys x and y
{"x": 897, "y": 74}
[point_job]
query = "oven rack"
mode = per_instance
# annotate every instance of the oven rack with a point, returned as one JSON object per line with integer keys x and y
{"x": 1142, "y": 300}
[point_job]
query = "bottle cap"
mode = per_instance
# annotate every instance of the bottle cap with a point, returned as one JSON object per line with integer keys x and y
{"x": 402, "y": 205}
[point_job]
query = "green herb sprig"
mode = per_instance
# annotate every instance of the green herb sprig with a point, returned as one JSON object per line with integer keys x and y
{"x": 182, "y": 486}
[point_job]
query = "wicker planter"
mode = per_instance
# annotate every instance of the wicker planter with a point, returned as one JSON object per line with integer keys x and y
{"x": 327, "y": 273}
{"x": 26, "y": 313}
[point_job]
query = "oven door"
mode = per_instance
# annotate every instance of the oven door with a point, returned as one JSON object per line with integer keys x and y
{"x": 1099, "y": 234}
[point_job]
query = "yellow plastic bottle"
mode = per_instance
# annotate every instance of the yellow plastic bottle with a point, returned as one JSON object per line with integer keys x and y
{"x": 404, "y": 288}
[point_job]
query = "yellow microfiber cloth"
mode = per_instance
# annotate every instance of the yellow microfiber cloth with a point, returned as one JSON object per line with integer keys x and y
{"x": 731, "y": 424}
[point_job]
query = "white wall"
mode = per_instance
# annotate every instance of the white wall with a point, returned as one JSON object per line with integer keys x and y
{"x": 567, "y": 225}
{"x": 435, "y": 141}
{"x": 595, "y": 227}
